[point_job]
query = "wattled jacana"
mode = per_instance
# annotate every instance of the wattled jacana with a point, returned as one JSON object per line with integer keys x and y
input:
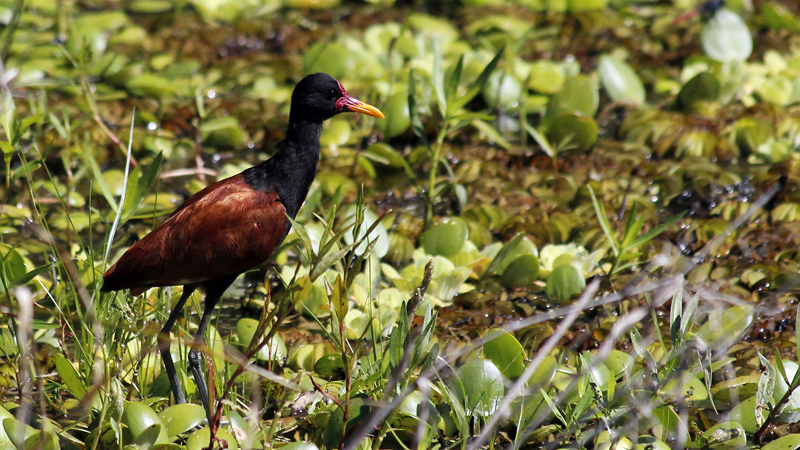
{"x": 233, "y": 224}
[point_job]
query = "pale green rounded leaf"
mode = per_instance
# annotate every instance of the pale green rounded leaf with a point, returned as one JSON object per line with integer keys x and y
{"x": 726, "y": 38}
{"x": 505, "y": 351}
{"x": 182, "y": 417}
{"x": 620, "y": 81}
{"x": 479, "y": 386}
{"x": 564, "y": 282}
{"x": 446, "y": 238}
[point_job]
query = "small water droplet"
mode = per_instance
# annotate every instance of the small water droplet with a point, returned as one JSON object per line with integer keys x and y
{"x": 212, "y": 94}
{"x": 152, "y": 126}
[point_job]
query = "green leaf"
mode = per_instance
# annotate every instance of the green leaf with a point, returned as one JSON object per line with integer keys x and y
{"x": 600, "y": 212}
{"x": 98, "y": 177}
{"x": 339, "y": 299}
{"x": 24, "y": 279}
{"x": 147, "y": 179}
{"x": 413, "y": 112}
{"x": 301, "y": 231}
{"x": 128, "y": 206}
{"x": 25, "y": 169}
{"x": 632, "y": 227}
{"x": 487, "y": 71}
{"x": 451, "y": 84}
{"x": 6, "y": 147}
{"x": 726, "y": 38}
{"x": 437, "y": 77}
{"x": 70, "y": 376}
{"x": 505, "y": 351}
{"x": 620, "y": 81}
{"x": 657, "y": 230}
{"x": 9, "y": 116}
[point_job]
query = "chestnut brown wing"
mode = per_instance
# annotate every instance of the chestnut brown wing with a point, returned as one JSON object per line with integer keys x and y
{"x": 222, "y": 230}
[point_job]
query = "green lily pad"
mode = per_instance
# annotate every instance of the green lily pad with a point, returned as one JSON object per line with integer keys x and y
{"x": 726, "y": 38}
{"x": 564, "y": 282}
{"x": 446, "y": 238}
{"x": 620, "y": 81}
{"x": 505, "y": 351}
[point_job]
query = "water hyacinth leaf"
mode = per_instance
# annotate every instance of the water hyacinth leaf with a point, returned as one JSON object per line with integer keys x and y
{"x": 336, "y": 134}
{"x": 574, "y": 130}
{"x": 703, "y": 87}
{"x": 505, "y": 351}
{"x": 620, "y": 81}
{"x": 682, "y": 386}
{"x": 777, "y": 89}
{"x": 199, "y": 439}
{"x": 782, "y": 387}
{"x": 578, "y": 96}
{"x": 377, "y": 235}
{"x": 222, "y": 132}
{"x": 546, "y": 77}
{"x": 359, "y": 412}
{"x": 397, "y": 115}
{"x": 273, "y": 350}
{"x": 726, "y": 435}
{"x": 788, "y": 442}
{"x": 141, "y": 420}
{"x": 521, "y": 272}
{"x": 334, "y": 59}
{"x": 182, "y": 417}
{"x": 518, "y": 245}
{"x": 564, "y": 282}
{"x": 446, "y": 238}
{"x": 502, "y": 90}
{"x": 725, "y": 37}
{"x": 44, "y": 440}
{"x": 311, "y": 300}
{"x": 723, "y": 328}
{"x": 479, "y": 386}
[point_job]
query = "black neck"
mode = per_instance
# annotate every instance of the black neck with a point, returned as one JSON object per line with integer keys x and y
{"x": 291, "y": 170}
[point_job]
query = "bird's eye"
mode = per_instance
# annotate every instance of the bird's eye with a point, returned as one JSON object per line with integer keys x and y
{"x": 333, "y": 93}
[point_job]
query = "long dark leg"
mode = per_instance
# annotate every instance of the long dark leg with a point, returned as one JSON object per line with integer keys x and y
{"x": 164, "y": 342}
{"x": 214, "y": 291}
